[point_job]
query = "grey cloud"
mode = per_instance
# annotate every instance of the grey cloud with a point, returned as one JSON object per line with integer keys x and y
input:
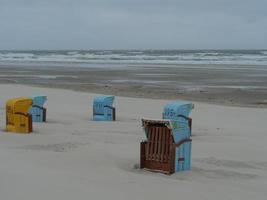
{"x": 124, "y": 24}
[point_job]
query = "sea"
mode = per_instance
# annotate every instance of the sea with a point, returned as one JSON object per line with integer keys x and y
{"x": 155, "y": 57}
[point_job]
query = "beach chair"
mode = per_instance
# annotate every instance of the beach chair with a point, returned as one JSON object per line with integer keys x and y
{"x": 167, "y": 147}
{"x": 103, "y": 109}
{"x": 37, "y": 110}
{"x": 18, "y": 119}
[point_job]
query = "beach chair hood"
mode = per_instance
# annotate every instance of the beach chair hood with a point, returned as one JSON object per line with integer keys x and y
{"x": 174, "y": 110}
{"x": 39, "y": 100}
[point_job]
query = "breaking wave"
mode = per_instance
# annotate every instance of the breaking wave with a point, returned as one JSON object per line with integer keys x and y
{"x": 238, "y": 57}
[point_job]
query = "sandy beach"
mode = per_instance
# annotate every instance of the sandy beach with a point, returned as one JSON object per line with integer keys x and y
{"x": 72, "y": 157}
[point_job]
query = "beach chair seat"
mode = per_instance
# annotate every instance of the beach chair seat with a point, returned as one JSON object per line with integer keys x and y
{"x": 18, "y": 119}
{"x": 37, "y": 110}
{"x": 103, "y": 109}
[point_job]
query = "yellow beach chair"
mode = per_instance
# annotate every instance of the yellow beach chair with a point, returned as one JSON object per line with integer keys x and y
{"x": 17, "y": 118}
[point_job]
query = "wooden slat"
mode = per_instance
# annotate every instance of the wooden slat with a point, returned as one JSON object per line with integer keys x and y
{"x": 155, "y": 143}
{"x": 163, "y": 145}
{"x": 166, "y": 145}
{"x": 148, "y": 142}
{"x": 150, "y": 155}
{"x": 151, "y": 144}
{"x": 159, "y": 145}
{"x": 167, "y": 151}
{"x": 170, "y": 144}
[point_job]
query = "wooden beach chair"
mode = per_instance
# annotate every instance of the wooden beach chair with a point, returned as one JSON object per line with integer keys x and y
{"x": 103, "y": 109}
{"x": 37, "y": 110}
{"x": 167, "y": 148}
{"x": 18, "y": 119}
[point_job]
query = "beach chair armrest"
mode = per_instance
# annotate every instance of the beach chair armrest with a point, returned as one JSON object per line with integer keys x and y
{"x": 110, "y": 107}
{"x": 182, "y": 142}
{"x": 188, "y": 119}
{"x": 36, "y": 106}
{"x": 20, "y": 113}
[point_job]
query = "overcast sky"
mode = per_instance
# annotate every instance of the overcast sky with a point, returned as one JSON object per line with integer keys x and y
{"x": 133, "y": 24}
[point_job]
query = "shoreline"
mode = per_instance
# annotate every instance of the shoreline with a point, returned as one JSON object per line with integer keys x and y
{"x": 102, "y": 91}
{"x": 232, "y": 87}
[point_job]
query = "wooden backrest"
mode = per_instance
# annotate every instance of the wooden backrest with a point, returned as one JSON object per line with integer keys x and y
{"x": 159, "y": 141}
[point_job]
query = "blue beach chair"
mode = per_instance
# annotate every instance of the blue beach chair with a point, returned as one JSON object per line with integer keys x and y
{"x": 168, "y": 145}
{"x": 103, "y": 109}
{"x": 37, "y": 110}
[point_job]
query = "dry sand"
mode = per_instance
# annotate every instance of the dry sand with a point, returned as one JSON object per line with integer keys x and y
{"x": 71, "y": 157}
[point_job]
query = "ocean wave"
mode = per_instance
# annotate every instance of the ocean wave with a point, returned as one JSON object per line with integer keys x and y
{"x": 135, "y": 56}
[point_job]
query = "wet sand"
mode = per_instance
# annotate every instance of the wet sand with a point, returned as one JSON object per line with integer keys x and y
{"x": 219, "y": 84}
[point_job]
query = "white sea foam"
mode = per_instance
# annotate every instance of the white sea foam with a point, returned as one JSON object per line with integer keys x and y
{"x": 36, "y": 76}
{"x": 138, "y": 57}
{"x": 237, "y": 87}
{"x": 142, "y": 81}
{"x": 151, "y": 74}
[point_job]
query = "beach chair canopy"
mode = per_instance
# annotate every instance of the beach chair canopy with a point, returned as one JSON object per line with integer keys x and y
{"x": 39, "y": 100}
{"x": 20, "y": 104}
{"x": 177, "y": 109}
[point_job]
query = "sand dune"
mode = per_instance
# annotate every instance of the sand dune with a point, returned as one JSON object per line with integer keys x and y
{"x": 71, "y": 157}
